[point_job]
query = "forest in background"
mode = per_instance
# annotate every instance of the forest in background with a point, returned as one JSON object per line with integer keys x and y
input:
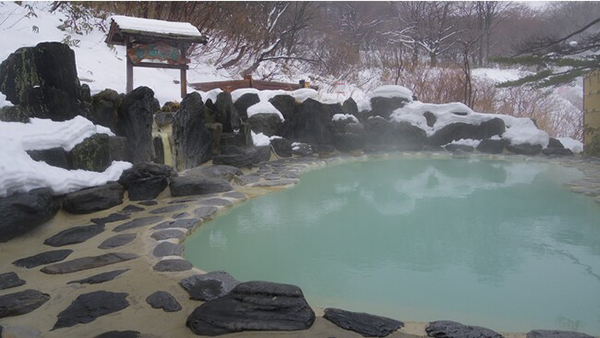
{"x": 428, "y": 47}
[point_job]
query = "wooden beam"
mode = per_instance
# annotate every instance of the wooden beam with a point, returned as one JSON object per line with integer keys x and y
{"x": 129, "y": 87}
{"x": 183, "y": 72}
{"x": 160, "y": 65}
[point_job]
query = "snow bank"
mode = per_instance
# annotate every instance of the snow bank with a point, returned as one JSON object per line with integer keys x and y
{"x": 41, "y": 134}
{"x": 523, "y": 130}
{"x": 518, "y": 130}
{"x": 156, "y": 26}
{"x": 574, "y": 145}
{"x": 260, "y": 139}
{"x": 264, "y": 107}
{"x": 390, "y": 91}
{"x": 338, "y": 117}
{"x": 19, "y": 173}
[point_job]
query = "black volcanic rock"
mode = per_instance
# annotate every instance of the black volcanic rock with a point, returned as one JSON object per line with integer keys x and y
{"x": 75, "y": 235}
{"x": 209, "y": 286}
{"x": 87, "y": 307}
{"x": 19, "y": 303}
{"x": 253, "y": 306}
{"x": 450, "y": 329}
{"x": 22, "y": 212}
{"x": 43, "y": 258}
{"x": 363, "y": 323}
{"x": 163, "y": 300}
{"x": 94, "y": 199}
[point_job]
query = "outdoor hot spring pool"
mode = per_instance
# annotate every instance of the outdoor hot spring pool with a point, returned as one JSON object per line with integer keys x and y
{"x": 492, "y": 243}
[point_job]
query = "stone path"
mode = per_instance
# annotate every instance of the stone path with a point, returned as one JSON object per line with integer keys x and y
{"x": 120, "y": 272}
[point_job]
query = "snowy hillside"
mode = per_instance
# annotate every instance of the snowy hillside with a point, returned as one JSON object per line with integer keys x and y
{"x": 98, "y": 65}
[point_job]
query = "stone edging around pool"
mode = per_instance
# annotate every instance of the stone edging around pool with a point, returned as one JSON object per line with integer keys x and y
{"x": 149, "y": 252}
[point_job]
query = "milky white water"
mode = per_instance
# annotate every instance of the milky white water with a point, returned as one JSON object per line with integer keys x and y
{"x": 498, "y": 244}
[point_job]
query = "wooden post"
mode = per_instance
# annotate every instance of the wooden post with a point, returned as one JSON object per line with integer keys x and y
{"x": 129, "y": 87}
{"x": 183, "y": 74}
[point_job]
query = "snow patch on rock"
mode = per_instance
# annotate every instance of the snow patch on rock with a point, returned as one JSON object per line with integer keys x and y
{"x": 20, "y": 173}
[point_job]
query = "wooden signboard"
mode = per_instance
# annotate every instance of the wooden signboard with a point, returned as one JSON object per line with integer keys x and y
{"x": 156, "y": 51}
{"x": 591, "y": 104}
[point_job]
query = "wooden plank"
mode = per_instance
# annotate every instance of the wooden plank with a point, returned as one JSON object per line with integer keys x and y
{"x": 129, "y": 86}
{"x": 183, "y": 73}
{"x": 160, "y": 65}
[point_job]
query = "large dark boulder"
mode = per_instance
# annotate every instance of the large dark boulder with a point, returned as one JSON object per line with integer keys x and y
{"x": 346, "y": 142}
{"x": 244, "y": 102}
{"x": 22, "y": 212}
{"x": 489, "y": 128}
{"x": 450, "y": 329}
{"x": 14, "y": 114}
{"x": 105, "y": 107}
{"x": 381, "y": 133}
{"x": 285, "y": 104}
{"x": 349, "y": 106}
{"x": 524, "y": 149}
{"x": 311, "y": 123}
{"x": 556, "y": 334}
{"x": 192, "y": 139}
{"x": 555, "y": 143}
{"x": 56, "y": 157}
{"x": 187, "y": 186}
{"x": 557, "y": 152}
{"x": 94, "y": 199}
{"x": 253, "y": 306}
{"x": 43, "y": 80}
{"x": 92, "y": 154}
{"x": 164, "y": 119}
{"x": 223, "y": 111}
{"x": 268, "y": 124}
{"x": 490, "y": 146}
{"x": 339, "y": 125}
{"x": 363, "y": 323}
{"x": 135, "y": 123}
{"x": 301, "y": 149}
{"x": 145, "y": 181}
{"x": 452, "y": 132}
{"x": 242, "y": 157}
{"x": 385, "y": 106}
{"x": 282, "y": 147}
{"x": 430, "y": 118}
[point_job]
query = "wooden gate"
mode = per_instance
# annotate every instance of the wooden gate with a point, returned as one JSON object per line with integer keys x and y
{"x": 591, "y": 104}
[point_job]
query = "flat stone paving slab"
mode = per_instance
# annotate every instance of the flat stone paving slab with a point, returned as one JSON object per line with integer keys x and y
{"x": 89, "y": 306}
{"x": 100, "y": 278}
{"x": 75, "y": 235}
{"x": 168, "y": 234}
{"x": 117, "y": 241}
{"x": 86, "y": 263}
{"x": 43, "y": 258}
{"x": 205, "y": 212}
{"x": 180, "y": 223}
{"x": 113, "y": 217}
{"x": 168, "y": 249}
{"x": 19, "y": 303}
{"x": 120, "y": 334}
{"x": 10, "y": 280}
{"x": 170, "y": 208}
{"x": 136, "y": 223}
{"x": 163, "y": 300}
{"x": 171, "y": 265}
